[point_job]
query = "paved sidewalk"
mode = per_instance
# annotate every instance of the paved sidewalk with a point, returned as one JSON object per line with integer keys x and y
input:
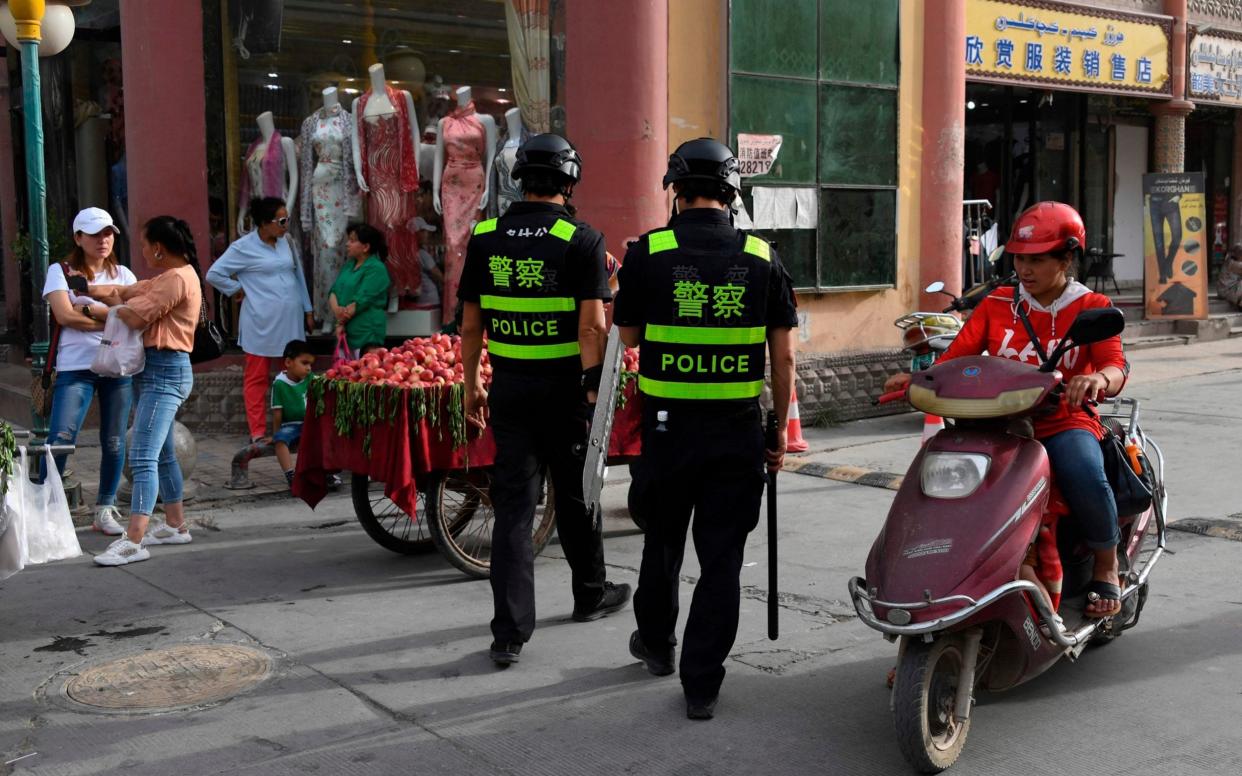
{"x": 211, "y": 472}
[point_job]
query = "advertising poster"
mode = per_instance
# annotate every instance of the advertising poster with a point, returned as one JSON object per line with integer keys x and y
{"x": 1175, "y": 247}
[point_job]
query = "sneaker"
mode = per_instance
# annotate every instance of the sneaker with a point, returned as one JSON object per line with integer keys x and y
{"x": 657, "y": 665}
{"x": 334, "y": 482}
{"x": 106, "y": 521}
{"x": 289, "y": 478}
{"x": 701, "y": 709}
{"x": 613, "y": 599}
{"x": 163, "y": 533}
{"x": 505, "y": 654}
{"x": 122, "y": 551}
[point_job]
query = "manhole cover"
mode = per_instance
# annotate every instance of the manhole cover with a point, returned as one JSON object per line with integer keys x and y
{"x": 176, "y": 677}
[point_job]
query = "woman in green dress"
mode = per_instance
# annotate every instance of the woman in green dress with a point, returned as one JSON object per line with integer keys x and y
{"x": 359, "y": 297}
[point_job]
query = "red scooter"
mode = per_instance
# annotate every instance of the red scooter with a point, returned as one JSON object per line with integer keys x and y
{"x": 949, "y": 572}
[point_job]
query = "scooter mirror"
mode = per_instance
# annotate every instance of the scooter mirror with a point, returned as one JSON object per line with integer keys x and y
{"x": 935, "y": 288}
{"x": 996, "y": 254}
{"x": 1095, "y": 325}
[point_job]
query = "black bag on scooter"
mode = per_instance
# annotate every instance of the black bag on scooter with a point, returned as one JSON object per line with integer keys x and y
{"x": 1131, "y": 490}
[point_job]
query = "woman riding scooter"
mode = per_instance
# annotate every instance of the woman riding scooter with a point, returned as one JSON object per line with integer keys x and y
{"x": 1044, "y": 241}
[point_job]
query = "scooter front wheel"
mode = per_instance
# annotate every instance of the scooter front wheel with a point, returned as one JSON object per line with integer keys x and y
{"x": 925, "y": 702}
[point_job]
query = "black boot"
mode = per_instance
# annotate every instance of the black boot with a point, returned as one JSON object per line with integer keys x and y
{"x": 657, "y": 665}
{"x": 613, "y": 599}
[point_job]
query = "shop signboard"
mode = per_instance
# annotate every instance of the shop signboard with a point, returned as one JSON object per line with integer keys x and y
{"x": 1216, "y": 69}
{"x": 1071, "y": 46}
{"x": 1175, "y": 252}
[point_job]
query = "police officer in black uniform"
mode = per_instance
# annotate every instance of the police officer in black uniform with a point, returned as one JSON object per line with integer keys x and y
{"x": 704, "y": 300}
{"x": 535, "y": 281}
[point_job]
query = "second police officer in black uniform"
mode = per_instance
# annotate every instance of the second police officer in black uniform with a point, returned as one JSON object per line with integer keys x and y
{"x": 535, "y": 280}
{"x": 704, "y": 300}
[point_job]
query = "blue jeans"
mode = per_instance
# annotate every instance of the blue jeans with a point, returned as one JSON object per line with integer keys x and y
{"x": 162, "y": 386}
{"x": 71, "y": 398}
{"x": 1078, "y": 464}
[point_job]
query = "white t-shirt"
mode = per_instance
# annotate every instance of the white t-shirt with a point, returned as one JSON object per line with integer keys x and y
{"x": 77, "y": 348}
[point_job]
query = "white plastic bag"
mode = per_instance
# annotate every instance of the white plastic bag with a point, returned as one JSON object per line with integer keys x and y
{"x": 120, "y": 352}
{"x": 16, "y": 499}
{"x": 13, "y": 557}
{"x": 50, "y": 534}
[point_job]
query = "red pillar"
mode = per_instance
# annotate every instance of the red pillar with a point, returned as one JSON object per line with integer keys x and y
{"x": 165, "y": 117}
{"x": 944, "y": 149}
{"x": 8, "y": 209}
{"x": 616, "y": 101}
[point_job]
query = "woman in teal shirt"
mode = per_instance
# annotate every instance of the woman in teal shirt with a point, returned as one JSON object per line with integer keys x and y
{"x": 359, "y": 297}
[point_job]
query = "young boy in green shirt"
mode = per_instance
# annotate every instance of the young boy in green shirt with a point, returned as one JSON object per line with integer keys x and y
{"x": 289, "y": 402}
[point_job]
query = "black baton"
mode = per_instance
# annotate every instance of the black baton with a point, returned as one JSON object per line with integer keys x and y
{"x": 774, "y": 627}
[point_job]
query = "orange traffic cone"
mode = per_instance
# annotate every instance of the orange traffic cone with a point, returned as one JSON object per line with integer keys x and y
{"x": 931, "y": 425}
{"x": 795, "y": 443}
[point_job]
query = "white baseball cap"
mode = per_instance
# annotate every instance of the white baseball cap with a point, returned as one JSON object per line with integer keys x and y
{"x": 94, "y": 220}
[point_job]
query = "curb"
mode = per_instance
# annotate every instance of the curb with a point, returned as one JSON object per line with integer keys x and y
{"x": 1217, "y": 528}
{"x": 844, "y": 473}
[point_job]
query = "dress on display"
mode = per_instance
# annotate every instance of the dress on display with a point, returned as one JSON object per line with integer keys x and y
{"x": 461, "y": 189}
{"x": 265, "y": 169}
{"x": 508, "y": 190}
{"x": 391, "y": 173}
{"x": 330, "y": 196}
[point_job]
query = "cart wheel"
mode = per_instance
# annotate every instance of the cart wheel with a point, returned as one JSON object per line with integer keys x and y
{"x": 386, "y": 523}
{"x": 460, "y": 516}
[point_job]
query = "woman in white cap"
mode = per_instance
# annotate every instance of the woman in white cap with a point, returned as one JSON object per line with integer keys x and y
{"x": 80, "y": 320}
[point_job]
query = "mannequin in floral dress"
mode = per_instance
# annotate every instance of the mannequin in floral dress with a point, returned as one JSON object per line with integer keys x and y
{"x": 386, "y": 147}
{"x": 464, "y": 155}
{"x": 330, "y": 197}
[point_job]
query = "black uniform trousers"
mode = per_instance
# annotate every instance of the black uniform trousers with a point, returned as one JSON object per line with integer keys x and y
{"x": 540, "y": 424}
{"x": 709, "y": 463}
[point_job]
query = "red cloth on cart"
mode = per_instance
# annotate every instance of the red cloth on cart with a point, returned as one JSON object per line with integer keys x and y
{"x": 402, "y": 453}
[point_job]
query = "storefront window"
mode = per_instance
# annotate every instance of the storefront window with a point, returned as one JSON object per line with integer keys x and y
{"x": 823, "y": 75}
{"x": 486, "y": 73}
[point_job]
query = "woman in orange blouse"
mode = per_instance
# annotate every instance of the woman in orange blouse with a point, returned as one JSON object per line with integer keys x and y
{"x": 167, "y": 309}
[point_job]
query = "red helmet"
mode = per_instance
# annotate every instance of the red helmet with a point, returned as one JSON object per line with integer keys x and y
{"x": 1047, "y": 227}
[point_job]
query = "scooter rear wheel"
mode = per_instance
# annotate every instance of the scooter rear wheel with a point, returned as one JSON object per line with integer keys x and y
{"x": 924, "y": 702}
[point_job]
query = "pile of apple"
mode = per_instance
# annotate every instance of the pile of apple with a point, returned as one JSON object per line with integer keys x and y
{"x": 629, "y": 361}
{"x": 421, "y": 362}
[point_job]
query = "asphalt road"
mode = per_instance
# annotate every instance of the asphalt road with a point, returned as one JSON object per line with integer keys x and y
{"x": 381, "y": 665}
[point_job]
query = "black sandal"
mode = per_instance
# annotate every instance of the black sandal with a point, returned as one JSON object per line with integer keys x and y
{"x": 1100, "y": 590}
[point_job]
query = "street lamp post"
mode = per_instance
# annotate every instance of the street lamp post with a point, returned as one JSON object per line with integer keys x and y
{"x": 29, "y": 18}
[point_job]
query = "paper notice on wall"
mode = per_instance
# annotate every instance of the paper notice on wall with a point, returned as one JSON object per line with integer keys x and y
{"x": 808, "y": 209}
{"x": 775, "y": 208}
{"x": 741, "y": 218}
{"x": 757, "y": 153}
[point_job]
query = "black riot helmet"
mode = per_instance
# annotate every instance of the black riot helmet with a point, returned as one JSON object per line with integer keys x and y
{"x": 548, "y": 152}
{"x": 704, "y": 159}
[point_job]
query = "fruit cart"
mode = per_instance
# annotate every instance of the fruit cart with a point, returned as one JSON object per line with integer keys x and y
{"x": 420, "y": 475}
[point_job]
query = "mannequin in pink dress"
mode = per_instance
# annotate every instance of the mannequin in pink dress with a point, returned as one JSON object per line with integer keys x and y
{"x": 386, "y": 153}
{"x": 464, "y": 151}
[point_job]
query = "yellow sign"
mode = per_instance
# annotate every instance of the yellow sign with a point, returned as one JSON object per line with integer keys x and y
{"x": 1067, "y": 45}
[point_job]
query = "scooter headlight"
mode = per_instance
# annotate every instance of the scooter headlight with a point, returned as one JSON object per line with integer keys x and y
{"x": 953, "y": 475}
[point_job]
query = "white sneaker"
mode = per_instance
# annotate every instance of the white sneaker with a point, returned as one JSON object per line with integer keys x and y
{"x": 106, "y": 521}
{"x": 122, "y": 551}
{"x": 163, "y": 533}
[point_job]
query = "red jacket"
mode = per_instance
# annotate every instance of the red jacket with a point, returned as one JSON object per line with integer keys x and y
{"x": 995, "y": 328}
